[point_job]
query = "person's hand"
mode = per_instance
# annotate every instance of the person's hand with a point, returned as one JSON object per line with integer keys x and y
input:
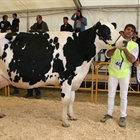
{"x": 8, "y": 31}
{"x": 137, "y": 62}
{"x": 2, "y": 25}
{"x": 122, "y": 47}
{"x": 82, "y": 20}
{"x": 76, "y": 13}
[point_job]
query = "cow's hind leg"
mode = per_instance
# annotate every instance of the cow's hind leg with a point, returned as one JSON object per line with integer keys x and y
{"x": 70, "y": 107}
{"x": 65, "y": 96}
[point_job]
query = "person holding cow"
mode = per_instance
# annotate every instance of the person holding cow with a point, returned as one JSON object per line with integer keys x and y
{"x": 39, "y": 26}
{"x": 120, "y": 72}
{"x": 79, "y": 21}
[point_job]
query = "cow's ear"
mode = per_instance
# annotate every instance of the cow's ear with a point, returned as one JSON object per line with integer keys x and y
{"x": 97, "y": 25}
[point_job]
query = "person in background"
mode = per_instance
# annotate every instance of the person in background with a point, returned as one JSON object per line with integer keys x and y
{"x": 15, "y": 28}
{"x": 136, "y": 38}
{"x": 66, "y": 26}
{"x": 15, "y": 23}
{"x": 79, "y": 21}
{"x": 137, "y": 62}
{"x": 119, "y": 73}
{"x": 39, "y": 26}
{"x": 30, "y": 93}
{"x": 16, "y": 91}
{"x": 5, "y": 25}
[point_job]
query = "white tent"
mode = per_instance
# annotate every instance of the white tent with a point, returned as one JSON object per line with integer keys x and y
{"x": 120, "y": 11}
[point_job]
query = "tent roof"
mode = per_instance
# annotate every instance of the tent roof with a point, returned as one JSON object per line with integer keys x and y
{"x": 34, "y": 5}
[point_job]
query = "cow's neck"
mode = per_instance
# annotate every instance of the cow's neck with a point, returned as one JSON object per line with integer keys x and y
{"x": 86, "y": 44}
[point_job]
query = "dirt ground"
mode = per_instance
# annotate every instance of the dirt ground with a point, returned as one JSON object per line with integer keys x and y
{"x": 40, "y": 119}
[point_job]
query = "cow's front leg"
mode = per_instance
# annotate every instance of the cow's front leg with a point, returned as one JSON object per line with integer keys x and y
{"x": 65, "y": 96}
{"x": 70, "y": 107}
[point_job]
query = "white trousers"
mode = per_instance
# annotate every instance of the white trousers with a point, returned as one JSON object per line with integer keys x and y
{"x": 112, "y": 85}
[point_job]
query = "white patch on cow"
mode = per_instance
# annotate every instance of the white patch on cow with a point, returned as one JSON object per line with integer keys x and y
{"x": 81, "y": 72}
{"x": 23, "y": 47}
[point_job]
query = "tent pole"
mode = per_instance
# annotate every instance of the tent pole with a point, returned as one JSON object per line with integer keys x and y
{"x": 27, "y": 21}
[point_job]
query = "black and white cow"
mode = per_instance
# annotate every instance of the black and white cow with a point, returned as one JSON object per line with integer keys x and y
{"x": 29, "y": 60}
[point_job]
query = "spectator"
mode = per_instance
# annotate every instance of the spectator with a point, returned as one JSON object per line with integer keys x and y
{"x": 136, "y": 38}
{"x": 5, "y": 25}
{"x": 40, "y": 25}
{"x": 119, "y": 72}
{"x": 30, "y": 93}
{"x": 137, "y": 62}
{"x": 66, "y": 26}
{"x": 79, "y": 21}
{"x": 15, "y": 23}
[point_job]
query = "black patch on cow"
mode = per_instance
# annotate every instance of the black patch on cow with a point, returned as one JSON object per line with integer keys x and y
{"x": 3, "y": 55}
{"x": 32, "y": 56}
{"x": 5, "y": 46}
{"x": 56, "y": 42}
{"x": 97, "y": 25}
{"x": 62, "y": 95}
{"x": 70, "y": 79}
{"x": 79, "y": 49}
{"x": 58, "y": 65}
{"x": 9, "y": 36}
{"x": 104, "y": 32}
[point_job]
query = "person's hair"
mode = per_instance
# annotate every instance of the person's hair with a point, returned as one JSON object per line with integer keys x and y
{"x": 81, "y": 16}
{"x": 15, "y": 14}
{"x": 136, "y": 32}
{"x": 39, "y": 16}
{"x": 4, "y": 17}
{"x": 114, "y": 24}
{"x": 132, "y": 26}
{"x": 65, "y": 18}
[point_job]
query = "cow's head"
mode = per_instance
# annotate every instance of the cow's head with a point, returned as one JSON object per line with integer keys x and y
{"x": 107, "y": 36}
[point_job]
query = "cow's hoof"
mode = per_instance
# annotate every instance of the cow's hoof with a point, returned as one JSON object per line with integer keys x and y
{"x": 65, "y": 125}
{"x": 73, "y": 119}
{"x": 2, "y": 115}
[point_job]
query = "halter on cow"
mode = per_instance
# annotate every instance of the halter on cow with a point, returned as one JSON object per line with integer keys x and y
{"x": 30, "y": 60}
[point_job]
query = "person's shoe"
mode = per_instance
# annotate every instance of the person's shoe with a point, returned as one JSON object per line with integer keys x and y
{"x": 28, "y": 95}
{"x": 38, "y": 96}
{"x": 106, "y": 117}
{"x": 122, "y": 122}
